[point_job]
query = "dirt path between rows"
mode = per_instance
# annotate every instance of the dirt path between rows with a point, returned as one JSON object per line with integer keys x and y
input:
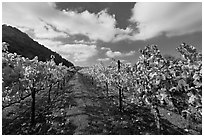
{"x": 95, "y": 114}
{"x": 77, "y": 113}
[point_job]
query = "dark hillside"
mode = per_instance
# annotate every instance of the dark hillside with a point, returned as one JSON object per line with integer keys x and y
{"x": 22, "y": 44}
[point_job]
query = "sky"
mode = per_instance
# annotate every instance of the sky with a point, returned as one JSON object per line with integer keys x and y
{"x": 86, "y": 33}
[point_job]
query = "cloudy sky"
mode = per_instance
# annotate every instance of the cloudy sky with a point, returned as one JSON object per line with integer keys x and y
{"x": 86, "y": 33}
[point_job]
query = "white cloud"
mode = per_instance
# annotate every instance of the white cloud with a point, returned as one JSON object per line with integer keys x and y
{"x": 79, "y": 52}
{"x": 31, "y": 15}
{"x": 154, "y": 19}
{"x": 45, "y": 31}
{"x": 72, "y": 52}
{"x": 99, "y": 26}
{"x": 103, "y": 59}
{"x": 113, "y": 54}
{"x": 84, "y": 42}
{"x": 130, "y": 53}
{"x": 96, "y": 26}
{"x": 171, "y": 18}
{"x": 104, "y": 48}
{"x": 49, "y": 43}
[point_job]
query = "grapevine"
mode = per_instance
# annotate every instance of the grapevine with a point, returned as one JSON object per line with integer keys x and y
{"x": 154, "y": 81}
{"x": 23, "y": 78}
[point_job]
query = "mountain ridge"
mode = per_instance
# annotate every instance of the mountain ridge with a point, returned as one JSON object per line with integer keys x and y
{"x": 24, "y": 45}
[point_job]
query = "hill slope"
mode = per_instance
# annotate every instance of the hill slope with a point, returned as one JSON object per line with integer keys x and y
{"x": 22, "y": 44}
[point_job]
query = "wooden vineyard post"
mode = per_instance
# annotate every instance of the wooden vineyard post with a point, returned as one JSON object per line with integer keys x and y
{"x": 92, "y": 81}
{"x": 64, "y": 81}
{"x": 61, "y": 84}
{"x": 120, "y": 99}
{"x": 107, "y": 89}
{"x": 33, "y": 91}
{"x": 120, "y": 89}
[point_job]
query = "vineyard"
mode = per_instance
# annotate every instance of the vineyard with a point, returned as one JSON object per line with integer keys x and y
{"x": 155, "y": 82}
{"x": 27, "y": 81}
{"x": 117, "y": 99}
